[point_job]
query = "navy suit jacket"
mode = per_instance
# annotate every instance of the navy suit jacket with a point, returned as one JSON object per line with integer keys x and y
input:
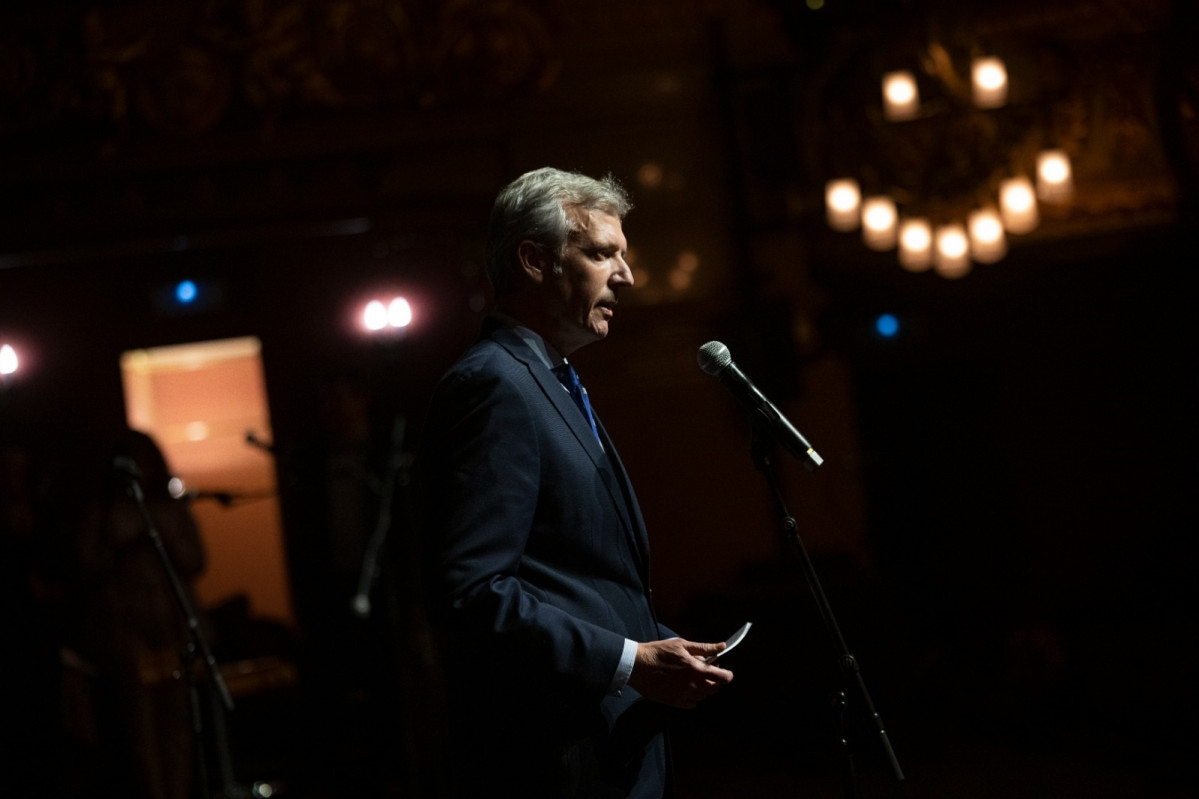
{"x": 539, "y": 560}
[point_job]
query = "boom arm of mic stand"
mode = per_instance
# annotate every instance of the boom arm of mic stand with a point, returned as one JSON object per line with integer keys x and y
{"x": 847, "y": 664}
{"x": 193, "y": 623}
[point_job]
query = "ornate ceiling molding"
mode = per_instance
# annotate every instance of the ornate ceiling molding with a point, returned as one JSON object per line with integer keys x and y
{"x": 183, "y": 69}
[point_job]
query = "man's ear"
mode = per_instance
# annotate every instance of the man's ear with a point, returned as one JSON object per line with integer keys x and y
{"x": 535, "y": 262}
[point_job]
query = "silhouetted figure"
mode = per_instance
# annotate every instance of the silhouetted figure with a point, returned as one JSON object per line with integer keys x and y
{"x": 131, "y": 630}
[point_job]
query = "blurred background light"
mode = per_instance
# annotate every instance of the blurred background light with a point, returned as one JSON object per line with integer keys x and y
{"x": 8, "y": 360}
{"x": 843, "y": 200}
{"x": 374, "y": 316}
{"x": 887, "y": 325}
{"x": 394, "y": 314}
{"x": 186, "y": 291}
{"x": 399, "y": 313}
{"x": 901, "y": 98}
{"x": 989, "y": 82}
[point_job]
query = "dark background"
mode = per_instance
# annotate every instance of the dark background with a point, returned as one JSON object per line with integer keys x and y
{"x": 1005, "y": 521}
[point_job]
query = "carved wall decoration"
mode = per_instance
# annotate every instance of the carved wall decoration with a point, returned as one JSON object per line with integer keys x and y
{"x": 507, "y": 44}
{"x": 186, "y": 68}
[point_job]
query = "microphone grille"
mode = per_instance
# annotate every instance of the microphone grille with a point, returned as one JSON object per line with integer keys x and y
{"x": 713, "y": 357}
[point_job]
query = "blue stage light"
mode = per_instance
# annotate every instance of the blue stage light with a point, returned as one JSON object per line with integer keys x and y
{"x": 887, "y": 325}
{"x": 186, "y": 291}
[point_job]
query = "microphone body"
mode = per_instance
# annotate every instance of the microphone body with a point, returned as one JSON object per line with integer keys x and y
{"x": 127, "y": 470}
{"x": 714, "y": 359}
{"x": 126, "y": 467}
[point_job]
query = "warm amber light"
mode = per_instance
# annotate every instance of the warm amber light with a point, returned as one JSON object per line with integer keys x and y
{"x": 1055, "y": 180}
{"x": 879, "y": 223}
{"x": 843, "y": 200}
{"x": 915, "y": 245}
{"x": 197, "y": 431}
{"x": 952, "y": 251}
{"x": 901, "y": 96}
{"x": 989, "y": 82}
{"x": 650, "y": 175}
{"x": 1018, "y": 205}
{"x": 988, "y": 243}
{"x": 684, "y": 271}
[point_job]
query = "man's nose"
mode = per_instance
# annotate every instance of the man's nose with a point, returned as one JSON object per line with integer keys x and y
{"x": 623, "y": 274}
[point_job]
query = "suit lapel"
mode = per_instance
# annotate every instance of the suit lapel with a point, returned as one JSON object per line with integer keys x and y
{"x": 553, "y": 390}
{"x": 619, "y": 489}
{"x": 561, "y": 399}
{"x": 628, "y": 507}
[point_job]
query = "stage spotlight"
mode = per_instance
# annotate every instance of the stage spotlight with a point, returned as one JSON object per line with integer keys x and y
{"x": 387, "y": 315}
{"x": 188, "y": 296}
{"x": 399, "y": 313}
{"x": 8, "y": 360}
{"x": 374, "y": 317}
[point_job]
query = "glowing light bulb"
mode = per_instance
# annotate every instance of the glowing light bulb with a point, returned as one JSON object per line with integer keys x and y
{"x": 915, "y": 245}
{"x": 879, "y": 223}
{"x": 1018, "y": 205}
{"x": 399, "y": 313}
{"x": 8, "y": 360}
{"x": 987, "y": 241}
{"x": 843, "y": 199}
{"x": 375, "y": 315}
{"x": 901, "y": 96}
{"x": 1054, "y": 177}
{"x": 989, "y": 82}
{"x": 953, "y": 251}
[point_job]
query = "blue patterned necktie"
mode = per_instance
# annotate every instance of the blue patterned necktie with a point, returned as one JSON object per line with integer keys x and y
{"x": 567, "y": 375}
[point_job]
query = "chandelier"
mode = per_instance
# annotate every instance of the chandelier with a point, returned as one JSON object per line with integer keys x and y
{"x": 992, "y": 169}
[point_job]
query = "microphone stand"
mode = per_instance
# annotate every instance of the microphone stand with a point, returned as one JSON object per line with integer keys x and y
{"x": 198, "y": 639}
{"x": 850, "y": 675}
{"x": 385, "y": 489}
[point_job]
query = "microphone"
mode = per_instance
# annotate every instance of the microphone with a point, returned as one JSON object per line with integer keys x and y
{"x": 254, "y": 441}
{"x": 714, "y": 358}
{"x": 126, "y": 467}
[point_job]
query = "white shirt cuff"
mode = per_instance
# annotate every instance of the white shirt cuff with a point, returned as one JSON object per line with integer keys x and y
{"x": 624, "y": 669}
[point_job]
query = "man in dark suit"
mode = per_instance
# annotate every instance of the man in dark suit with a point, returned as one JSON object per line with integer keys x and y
{"x": 558, "y": 669}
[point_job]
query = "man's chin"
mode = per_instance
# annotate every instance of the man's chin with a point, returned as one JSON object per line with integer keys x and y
{"x": 580, "y": 338}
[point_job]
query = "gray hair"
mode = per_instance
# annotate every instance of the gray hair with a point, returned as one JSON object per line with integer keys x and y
{"x": 537, "y": 207}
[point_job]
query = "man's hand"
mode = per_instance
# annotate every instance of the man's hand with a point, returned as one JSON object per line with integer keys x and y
{"x": 673, "y": 672}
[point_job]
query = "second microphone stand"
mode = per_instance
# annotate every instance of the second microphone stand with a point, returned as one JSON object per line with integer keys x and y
{"x": 848, "y": 671}
{"x": 198, "y": 642}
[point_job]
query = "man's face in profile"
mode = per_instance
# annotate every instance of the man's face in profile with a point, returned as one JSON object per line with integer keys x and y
{"x": 584, "y": 284}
